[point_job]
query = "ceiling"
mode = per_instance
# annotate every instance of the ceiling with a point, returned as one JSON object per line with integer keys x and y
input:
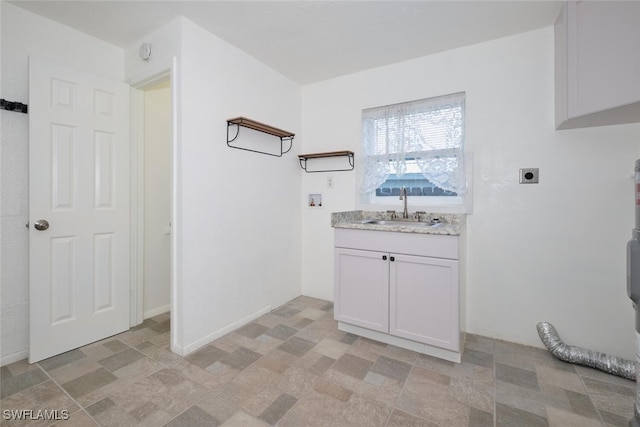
{"x": 310, "y": 41}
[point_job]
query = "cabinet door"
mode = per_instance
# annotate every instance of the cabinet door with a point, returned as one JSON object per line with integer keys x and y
{"x": 606, "y": 61}
{"x": 424, "y": 304}
{"x": 362, "y": 288}
{"x": 597, "y": 64}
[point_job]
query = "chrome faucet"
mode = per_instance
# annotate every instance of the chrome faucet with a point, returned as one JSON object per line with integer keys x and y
{"x": 403, "y": 196}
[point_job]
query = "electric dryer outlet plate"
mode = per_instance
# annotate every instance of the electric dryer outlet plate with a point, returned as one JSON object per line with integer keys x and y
{"x": 529, "y": 176}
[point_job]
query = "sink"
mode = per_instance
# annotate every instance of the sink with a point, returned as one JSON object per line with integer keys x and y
{"x": 398, "y": 223}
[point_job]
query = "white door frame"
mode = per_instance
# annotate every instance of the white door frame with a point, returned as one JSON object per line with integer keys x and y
{"x": 156, "y": 75}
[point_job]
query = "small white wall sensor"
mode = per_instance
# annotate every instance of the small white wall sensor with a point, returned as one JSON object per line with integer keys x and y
{"x": 145, "y": 52}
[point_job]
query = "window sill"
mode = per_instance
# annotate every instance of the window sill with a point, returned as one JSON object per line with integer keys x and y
{"x": 458, "y": 205}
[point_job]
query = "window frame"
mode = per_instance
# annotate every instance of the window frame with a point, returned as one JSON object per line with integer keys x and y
{"x": 461, "y": 203}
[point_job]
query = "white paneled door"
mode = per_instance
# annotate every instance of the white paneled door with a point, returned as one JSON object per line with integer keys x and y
{"x": 78, "y": 208}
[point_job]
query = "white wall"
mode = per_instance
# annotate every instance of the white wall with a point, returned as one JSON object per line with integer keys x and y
{"x": 548, "y": 252}
{"x": 237, "y": 227}
{"x": 157, "y": 199}
{"x": 25, "y": 34}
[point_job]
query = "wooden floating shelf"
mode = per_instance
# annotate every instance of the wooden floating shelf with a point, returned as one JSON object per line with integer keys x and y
{"x": 304, "y": 157}
{"x": 261, "y": 127}
{"x": 327, "y": 154}
{"x": 239, "y": 122}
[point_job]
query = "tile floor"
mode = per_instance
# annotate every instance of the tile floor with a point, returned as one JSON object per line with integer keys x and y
{"x": 293, "y": 367}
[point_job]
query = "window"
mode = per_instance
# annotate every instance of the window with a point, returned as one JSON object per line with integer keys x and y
{"x": 418, "y": 145}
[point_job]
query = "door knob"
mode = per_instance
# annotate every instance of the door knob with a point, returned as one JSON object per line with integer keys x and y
{"x": 41, "y": 224}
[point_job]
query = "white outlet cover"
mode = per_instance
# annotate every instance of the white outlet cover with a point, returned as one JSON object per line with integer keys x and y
{"x": 329, "y": 182}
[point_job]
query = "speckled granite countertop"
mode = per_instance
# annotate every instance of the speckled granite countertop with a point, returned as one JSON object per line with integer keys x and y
{"x": 450, "y": 224}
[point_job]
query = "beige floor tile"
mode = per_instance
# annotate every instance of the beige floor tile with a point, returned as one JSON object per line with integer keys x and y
{"x": 221, "y": 374}
{"x": 274, "y": 412}
{"x": 312, "y": 313}
{"x": 435, "y": 405}
{"x": 586, "y": 372}
{"x": 321, "y": 410}
{"x": 63, "y": 359}
{"x": 256, "y": 376}
{"x": 353, "y": 366}
{"x": 75, "y": 369}
{"x": 250, "y": 399}
{"x": 507, "y": 416}
{"x": 43, "y": 396}
{"x": 245, "y": 420}
{"x": 193, "y": 416}
{"x": 19, "y": 367}
{"x": 270, "y": 320}
{"x": 11, "y": 384}
{"x": 281, "y": 332}
{"x": 559, "y": 398}
{"x": 116, "y": 416}
{"x": 559, "y": 418}
{"x": 133, "y": 338}
{"x": 383, "y": 390}
{"x": 480, "y": 343}
{"x": 430, "y": 395}
{"x": 294, "y": 381}
{"x": 521, "y": 398}
{"x": 77, "y": 419}
{"x": 361, "y": 352}
{"x": 138, "y": 368}
{"x": 294, "y": 367}
{"x": 166, "y": 391}
{"x": 523, "y": 357}
{"x": 479, "y": 418}
{"x": 331, "y": 348}
{"x": 218, "y": 408}
{"x": 334, "y": 390}
{"x": 566, "y": 380}
{"x": 274, "y": 365}
{"x": 159, "y": 354}
{"x": 89, "y": 383}
{"x": 402, "y": 419}
{"x": 613, "y": 396}
{"x": 261, "y": 344}
{"x": 421, "y": 378}
{"x": 613, "y": 403}
{"x": 474, "y": 393}
{"x": 442, "y": 366}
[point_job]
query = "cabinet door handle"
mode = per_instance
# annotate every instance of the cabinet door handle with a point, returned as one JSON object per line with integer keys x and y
{"x": 384, "y": 257}
{"x": 392, "y": 258}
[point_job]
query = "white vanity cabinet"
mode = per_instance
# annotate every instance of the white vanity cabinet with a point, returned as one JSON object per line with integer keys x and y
{"x": 597, "y": 63}
{"x": 400, "y": 288}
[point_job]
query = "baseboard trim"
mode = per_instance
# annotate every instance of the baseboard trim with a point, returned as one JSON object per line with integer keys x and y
{"x": 15, "y": 357}
{"x": 190, "y": 348}
{"x": 452, "y": 356}
{"x": 156, "y": 311}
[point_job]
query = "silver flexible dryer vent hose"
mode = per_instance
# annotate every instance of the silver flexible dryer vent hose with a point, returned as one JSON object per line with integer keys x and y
{"x": 580, "y": 356}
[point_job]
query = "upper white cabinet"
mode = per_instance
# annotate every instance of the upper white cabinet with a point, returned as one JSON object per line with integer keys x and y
{"x": 597, "y": 64}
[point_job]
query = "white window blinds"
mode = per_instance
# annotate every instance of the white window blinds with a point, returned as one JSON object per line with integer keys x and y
{"x": 427, "y": 133}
